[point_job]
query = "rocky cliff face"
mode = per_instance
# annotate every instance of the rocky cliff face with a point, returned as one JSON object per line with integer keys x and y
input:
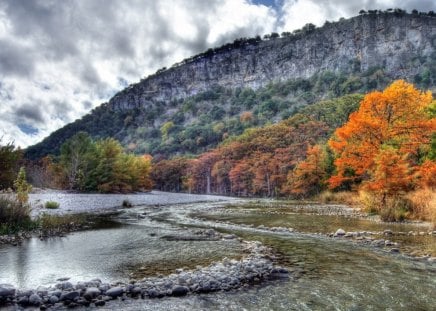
{"x": 395, "y": 42}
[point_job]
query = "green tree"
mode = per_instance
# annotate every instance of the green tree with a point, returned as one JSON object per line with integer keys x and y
{"x": 21, "y": 186}
{"x": 75, "y": 159}
{"x": 9, "y": 161}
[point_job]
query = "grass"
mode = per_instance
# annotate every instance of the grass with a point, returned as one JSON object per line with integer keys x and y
{"x": 424, "y": 205}
{"x": 14, "y": 215}
{"x": 60, "y": 222}
{"x": 51, "y": 205}
{"x": 342, "y": 197}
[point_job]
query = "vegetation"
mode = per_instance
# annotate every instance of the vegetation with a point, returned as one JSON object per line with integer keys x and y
{"x": 14, "y": 209}
{"x": 51, "y": 205}
{"x": 10, "y": 158}
{"x": 382, "y": 147}
{"x": 14, "y": 215}
{"x": 193, "y": 125}
{"x": 88, "y": 165}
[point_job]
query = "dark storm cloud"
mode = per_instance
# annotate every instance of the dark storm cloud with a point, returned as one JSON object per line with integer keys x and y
{"x": 29, "y": 113}
{"x": 15, "y": 59}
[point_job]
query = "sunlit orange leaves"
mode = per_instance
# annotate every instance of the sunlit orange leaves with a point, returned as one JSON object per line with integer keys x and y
{"x": 391, "y": 126}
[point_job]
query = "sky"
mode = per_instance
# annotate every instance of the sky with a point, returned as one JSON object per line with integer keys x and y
{"x": 60, "y": 59}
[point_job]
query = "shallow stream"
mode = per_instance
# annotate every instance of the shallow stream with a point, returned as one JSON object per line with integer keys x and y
{"x": 337, "y": 274}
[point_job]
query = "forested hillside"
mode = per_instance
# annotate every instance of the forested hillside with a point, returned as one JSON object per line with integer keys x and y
{"x": 196, "y": 104}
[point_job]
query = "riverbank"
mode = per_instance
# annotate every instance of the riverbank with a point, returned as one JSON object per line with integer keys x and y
{"x": 255, "y": 267}
{"x": 71, "y": 203}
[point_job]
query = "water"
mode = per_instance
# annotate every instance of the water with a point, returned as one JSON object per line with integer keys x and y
{"x": 338, "y": 275}
{"x": 117, "y": 252}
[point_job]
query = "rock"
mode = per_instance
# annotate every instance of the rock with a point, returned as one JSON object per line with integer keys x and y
{"x": 69, "y": 295}
{"x": 100, "y": 303}
{"x": 35, "y": 300}
{"x": 349, "y": 234}
{"x": 387, "y": 232}
{"x": 115, "y": 292}
{"x": 65, "y": 285}
{"x": 91, "y": 293}
{"x": 6, "y": 290}
{"x": 339, "y": 232}
{"x": 378, "y": 243}
{"x": 62, "y": 279}
{"x": 104, "y": 287}
{"x": 229, "y": 236}
{"x": 136, "y": 291}
{"x": 83, "y": 302}
{"x": 179, "y": 290}
{"x": 23, "y": 301}
{"x": 53, "y": 299}
{"x": 394, "y": 250}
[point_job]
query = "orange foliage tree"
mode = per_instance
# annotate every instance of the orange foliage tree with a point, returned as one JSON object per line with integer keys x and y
{"x": 309, "y": 176}
{"x": 382, "y": 142}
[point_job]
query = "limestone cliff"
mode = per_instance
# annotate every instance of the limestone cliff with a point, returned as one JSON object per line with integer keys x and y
{"x": 394, "y": 42}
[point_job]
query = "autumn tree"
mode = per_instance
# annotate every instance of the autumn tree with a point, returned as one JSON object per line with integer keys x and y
{"x": 169, "y": 175}
{"x": 390, "y": 126}
{"x": 309, "y": 176}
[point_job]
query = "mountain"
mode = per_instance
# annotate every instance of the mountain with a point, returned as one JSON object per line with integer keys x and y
{"x": 200, "y": 101}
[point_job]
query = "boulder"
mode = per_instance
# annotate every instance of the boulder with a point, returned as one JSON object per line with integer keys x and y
{"x": 115, "y": 292}
{"x": 340, "y": 232}
{"x": 179, "y": 290}
{"x": 69, "y": 295}
{"x": 91, "y": 293}
{"x": 6, "y": 290}
{"x": 35, "y": 300}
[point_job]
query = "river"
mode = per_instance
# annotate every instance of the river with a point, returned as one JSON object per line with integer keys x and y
{"x": 335, "y": 274}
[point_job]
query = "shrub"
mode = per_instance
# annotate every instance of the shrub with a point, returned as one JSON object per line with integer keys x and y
{"x": 344, "y": 197}
{"x": 51, "y": 205}
{"x": 396, "y": 208}
{"x": 423, "y": 205}
{"x": 14, "y": 215}
{"x": 127, "y": 204}
{"x": 390, "y": 208}
{"x": 56, "y": 222}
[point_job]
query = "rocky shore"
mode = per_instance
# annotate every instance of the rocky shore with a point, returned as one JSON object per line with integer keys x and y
{"x": 227, "y": 275}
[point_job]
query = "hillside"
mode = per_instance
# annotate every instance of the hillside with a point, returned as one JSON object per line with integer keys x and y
{"x": 199, "y": 102}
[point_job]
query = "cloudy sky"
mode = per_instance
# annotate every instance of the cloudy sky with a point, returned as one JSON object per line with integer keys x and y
{"x": 60, "y": 59}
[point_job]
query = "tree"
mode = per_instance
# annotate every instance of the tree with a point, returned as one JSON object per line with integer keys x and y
{"x": 21, "y": 186}
{"x": 10, "y": 158}
{"x": 309, "y": 176}
{"x": 74, "y": 158}
{"x": 387, "y": 124}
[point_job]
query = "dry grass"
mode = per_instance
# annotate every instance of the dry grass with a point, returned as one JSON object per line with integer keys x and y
{"x": 343, "y": 197}
{"x": 423, "y": 203}
{"x": 14, "y": 215}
